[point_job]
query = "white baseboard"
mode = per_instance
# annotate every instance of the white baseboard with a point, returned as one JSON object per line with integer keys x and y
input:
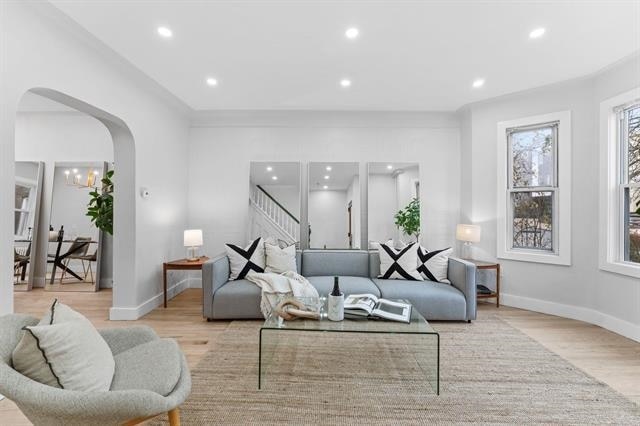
{"x": 591, "y": 316}
{"x": 195, "y": 282}
{"x": 132, "y": 314}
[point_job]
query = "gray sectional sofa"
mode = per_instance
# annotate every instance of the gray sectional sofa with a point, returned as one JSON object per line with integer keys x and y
{"x": 358, "y": 271}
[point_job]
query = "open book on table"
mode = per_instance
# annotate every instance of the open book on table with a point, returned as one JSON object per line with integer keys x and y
{"x": 368, "y": 305}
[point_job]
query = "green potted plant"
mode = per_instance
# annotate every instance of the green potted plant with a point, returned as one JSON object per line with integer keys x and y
{"x": 408, "y": 219}
{"x": 100, "y": 207}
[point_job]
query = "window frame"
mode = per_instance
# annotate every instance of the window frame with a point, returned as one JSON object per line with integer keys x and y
{"x": 560, "y": 188}
{"x": 612, "y": 185}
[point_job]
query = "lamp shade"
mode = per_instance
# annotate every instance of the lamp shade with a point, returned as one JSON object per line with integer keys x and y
{"x": 469, "y": 233}
{"x": 193, "y": 238}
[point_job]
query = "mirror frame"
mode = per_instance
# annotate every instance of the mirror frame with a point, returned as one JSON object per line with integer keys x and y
{"x": 36, "y": 223}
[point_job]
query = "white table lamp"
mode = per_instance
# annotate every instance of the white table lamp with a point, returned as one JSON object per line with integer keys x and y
{"x": 193, "y": 240}
{"x": 469, "y": 234}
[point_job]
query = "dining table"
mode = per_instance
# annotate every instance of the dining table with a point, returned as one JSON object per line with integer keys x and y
{"x": 58, "y": 258}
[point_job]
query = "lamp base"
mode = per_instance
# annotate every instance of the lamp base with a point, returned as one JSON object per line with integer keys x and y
{"x": 192, "y": 255}
{"x": 466, "y": 250}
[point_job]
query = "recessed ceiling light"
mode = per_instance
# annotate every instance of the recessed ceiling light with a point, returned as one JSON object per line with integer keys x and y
{"x": 478, "y": 82}
{"x": 212, "y": 81}
{"x": 326, "y": 177}
{"x": 345, "y": 82}
{"x": 274, "y": 177}
{"x": 328, "y": 168}
{"x": 269, "y": 168}
{"x": 325, "y": 187}
{"x": 389, "y": 166}
{"x": 352, "y": 33}
{"x": 538, "y": 32}
{"x": 165, "y": 32}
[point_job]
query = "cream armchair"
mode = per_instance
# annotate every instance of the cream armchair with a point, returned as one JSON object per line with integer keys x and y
{"x": 46, "y": 405}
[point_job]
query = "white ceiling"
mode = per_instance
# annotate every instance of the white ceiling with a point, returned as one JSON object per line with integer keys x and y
{"x": 340, "y": 176}
{"x": 288, "y": 173}
{"x": 411, "y": 55}
{"x": 384, "y": 169}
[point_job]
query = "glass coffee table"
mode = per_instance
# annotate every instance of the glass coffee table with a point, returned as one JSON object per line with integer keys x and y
{"x": 418, "y": 335}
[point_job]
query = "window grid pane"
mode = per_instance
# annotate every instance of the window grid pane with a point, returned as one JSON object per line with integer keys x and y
{"x": 632, "y": 146}
{"x": 631, "y": 225}
{"x": 532, "y": 152}
{"x": 532, "y": 219}
{"x": 630, "y": 183}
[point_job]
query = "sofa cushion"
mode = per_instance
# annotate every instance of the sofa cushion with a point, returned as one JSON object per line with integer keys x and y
{"x": 239, "y": 299}
{"x": 154, "y": 366}
{"x": 353, "y": 263}
{"x": 435, "y": 301}
{"x": 348, "y": 285}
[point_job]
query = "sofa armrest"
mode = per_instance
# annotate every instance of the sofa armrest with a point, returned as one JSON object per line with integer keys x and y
{"x": 462, "y": 275}
{"x": 215, "y": 273}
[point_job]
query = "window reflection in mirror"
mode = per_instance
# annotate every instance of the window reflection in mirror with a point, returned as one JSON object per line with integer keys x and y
{"x": 392, "y": 187}
{"x": 28, "y": 185}
{"x": 274, "y": 202}
{"x": 334, "y": 206}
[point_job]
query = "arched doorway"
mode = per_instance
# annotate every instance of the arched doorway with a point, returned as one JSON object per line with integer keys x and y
{"x": 124, "y": 191}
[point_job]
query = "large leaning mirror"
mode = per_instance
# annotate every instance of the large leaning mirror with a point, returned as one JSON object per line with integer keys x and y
{"x": 274, "y": 201}
{"x": 75, "y": 244}
{"x": 334, "y": 206}
{"x": 394, "y": 203}
{"x": 28, "y": 177}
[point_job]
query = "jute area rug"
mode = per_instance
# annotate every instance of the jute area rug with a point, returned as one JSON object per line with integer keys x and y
{"x": 490, "y": 373}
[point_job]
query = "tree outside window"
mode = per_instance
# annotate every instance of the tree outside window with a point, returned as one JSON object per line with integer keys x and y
{"x": 630, "y": 133}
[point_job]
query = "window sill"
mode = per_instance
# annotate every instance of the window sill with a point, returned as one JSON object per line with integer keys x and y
{"x": 535, "y": 257}
{"x": 622, "y": 268}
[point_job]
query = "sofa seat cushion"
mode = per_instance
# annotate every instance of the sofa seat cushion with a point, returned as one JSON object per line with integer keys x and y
{"x": 154, "y": 366}
{"x": 435, "y": 301}
{"x": 239, "y": 299}
{"x": 348, "y": 285}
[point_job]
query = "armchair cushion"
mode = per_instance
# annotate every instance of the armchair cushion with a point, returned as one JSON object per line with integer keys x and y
{"x": 64, "y": 350}
{"x": 154, "y": 366}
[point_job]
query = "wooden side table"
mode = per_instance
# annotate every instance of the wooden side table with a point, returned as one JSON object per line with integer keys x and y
{"x": 181, "y": 264}
{"x": 489, "y": 265}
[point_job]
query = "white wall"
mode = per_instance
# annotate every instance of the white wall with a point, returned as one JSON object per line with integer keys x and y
{"x": 45, "y": 48}
{"x": 222, "y": 145}
{"x": 328, "y": 219}
{"x": 52, "y": 137}
{"x": 581, "y": 290}
{"x": 382, "y": 208}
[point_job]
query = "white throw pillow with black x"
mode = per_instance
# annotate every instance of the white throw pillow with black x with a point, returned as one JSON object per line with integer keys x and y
{"x": 243, "y": 261}
{"x": 399, "y": 264}
{"x": 433, "y": 265}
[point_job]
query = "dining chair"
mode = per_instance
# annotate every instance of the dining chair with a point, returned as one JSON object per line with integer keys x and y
{"x": 77, "y": 251}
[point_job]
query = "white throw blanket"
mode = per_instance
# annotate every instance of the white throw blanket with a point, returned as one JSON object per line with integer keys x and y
{"x": 275, "y": 285}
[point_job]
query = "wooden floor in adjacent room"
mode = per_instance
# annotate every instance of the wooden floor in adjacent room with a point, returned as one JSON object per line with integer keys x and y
{"x": 604, "y": 355}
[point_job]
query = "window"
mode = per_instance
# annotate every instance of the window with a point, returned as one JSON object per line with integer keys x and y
{"x": 619, "y": 244}
{"x": 23, "y": 209}
{"x": 532, "y": 186}
{"x": 534, "y": 189}
{"x": 629, "y": 183}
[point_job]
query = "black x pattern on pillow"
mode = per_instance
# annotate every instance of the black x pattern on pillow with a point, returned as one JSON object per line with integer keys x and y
{"x": 396, "y": 257}
{"x": 424, "y": 256}
{"x": 247, "y": 254}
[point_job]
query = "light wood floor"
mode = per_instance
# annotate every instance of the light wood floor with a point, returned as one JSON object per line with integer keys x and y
{"x": 604, "y": 355}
